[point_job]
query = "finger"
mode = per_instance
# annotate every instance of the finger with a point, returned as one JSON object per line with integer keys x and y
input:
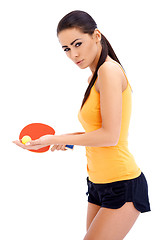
{"x": 64, "y": 147}
{"x": 53, "y": 148}
{"x": 33, "y": 142}
{"x": 28, "y": 147}
{"x": 35, "y": 147}
{"x": 59, "y": 147}
{"x": 19, "y": 144}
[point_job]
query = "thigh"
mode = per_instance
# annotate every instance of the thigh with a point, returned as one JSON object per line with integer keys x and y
{"x": 112, "y": 224}
{"x": 91, "y": 213}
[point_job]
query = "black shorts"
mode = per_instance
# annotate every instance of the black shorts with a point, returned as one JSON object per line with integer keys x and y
{"x": 114, "y": 195}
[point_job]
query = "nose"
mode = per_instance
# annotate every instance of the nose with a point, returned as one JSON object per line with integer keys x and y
{"x": 74, "y": 54}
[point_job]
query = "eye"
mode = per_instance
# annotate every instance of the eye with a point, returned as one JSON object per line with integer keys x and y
{"x": 66, "y": 49}
{"x": 78, "y": 44}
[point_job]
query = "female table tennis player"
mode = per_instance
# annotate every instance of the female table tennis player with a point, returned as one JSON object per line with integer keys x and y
{"x": 117, "y": 188}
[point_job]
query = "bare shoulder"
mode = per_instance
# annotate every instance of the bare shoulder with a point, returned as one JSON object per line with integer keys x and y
{"x": 110, "y": 68}
{"x": 106, "y": 68}
{"x": 111, "y": 72}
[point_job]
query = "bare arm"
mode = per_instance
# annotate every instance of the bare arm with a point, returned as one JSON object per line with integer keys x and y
{"x": 97, "y": 138}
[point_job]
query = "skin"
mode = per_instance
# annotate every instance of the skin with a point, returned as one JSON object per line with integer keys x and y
{"x": 110, "y": 224}
{"x": 84, "y": 50}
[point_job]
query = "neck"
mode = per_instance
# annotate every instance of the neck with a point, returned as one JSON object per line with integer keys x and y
{"x": 95, "y": 62}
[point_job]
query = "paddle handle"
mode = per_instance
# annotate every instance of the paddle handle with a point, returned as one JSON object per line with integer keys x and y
{"x": 70, "y": 146}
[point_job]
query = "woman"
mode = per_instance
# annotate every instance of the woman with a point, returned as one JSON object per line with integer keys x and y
{"x": 117, "y": 189}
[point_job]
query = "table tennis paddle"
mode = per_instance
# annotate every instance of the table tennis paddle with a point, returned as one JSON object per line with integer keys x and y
{"x": 37, "y": 130}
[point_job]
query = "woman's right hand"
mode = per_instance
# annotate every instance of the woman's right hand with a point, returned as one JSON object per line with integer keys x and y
{"x": 58, "y": 147}
{"x": 63, "y": 147}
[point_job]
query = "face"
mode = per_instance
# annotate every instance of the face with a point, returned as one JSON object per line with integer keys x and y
{"x": 83, "y": 49}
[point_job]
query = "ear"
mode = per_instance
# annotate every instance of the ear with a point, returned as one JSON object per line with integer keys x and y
{"x": 97, "y": 35}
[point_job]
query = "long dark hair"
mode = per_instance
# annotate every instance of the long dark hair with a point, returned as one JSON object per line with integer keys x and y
{"x": 84, "y": 22}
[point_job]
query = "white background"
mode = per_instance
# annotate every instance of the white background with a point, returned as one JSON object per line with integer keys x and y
{"x": 42, "y": 196}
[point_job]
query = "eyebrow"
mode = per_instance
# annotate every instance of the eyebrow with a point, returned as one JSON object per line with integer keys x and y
{"x": 72, "y": 42}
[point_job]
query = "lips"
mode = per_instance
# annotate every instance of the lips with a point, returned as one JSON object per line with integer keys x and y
{"x": 79, "y": 62}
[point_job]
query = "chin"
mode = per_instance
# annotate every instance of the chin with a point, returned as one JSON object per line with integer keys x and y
{"x": 83, "y": 67}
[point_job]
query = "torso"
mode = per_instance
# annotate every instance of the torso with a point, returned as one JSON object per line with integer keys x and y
{"x": 111, "y": 163}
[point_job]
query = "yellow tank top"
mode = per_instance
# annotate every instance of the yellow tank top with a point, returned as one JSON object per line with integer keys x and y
{"x": 114, "y": 163}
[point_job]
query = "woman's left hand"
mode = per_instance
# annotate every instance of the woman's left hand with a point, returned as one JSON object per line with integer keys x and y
{"x": 36, "y": 144}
